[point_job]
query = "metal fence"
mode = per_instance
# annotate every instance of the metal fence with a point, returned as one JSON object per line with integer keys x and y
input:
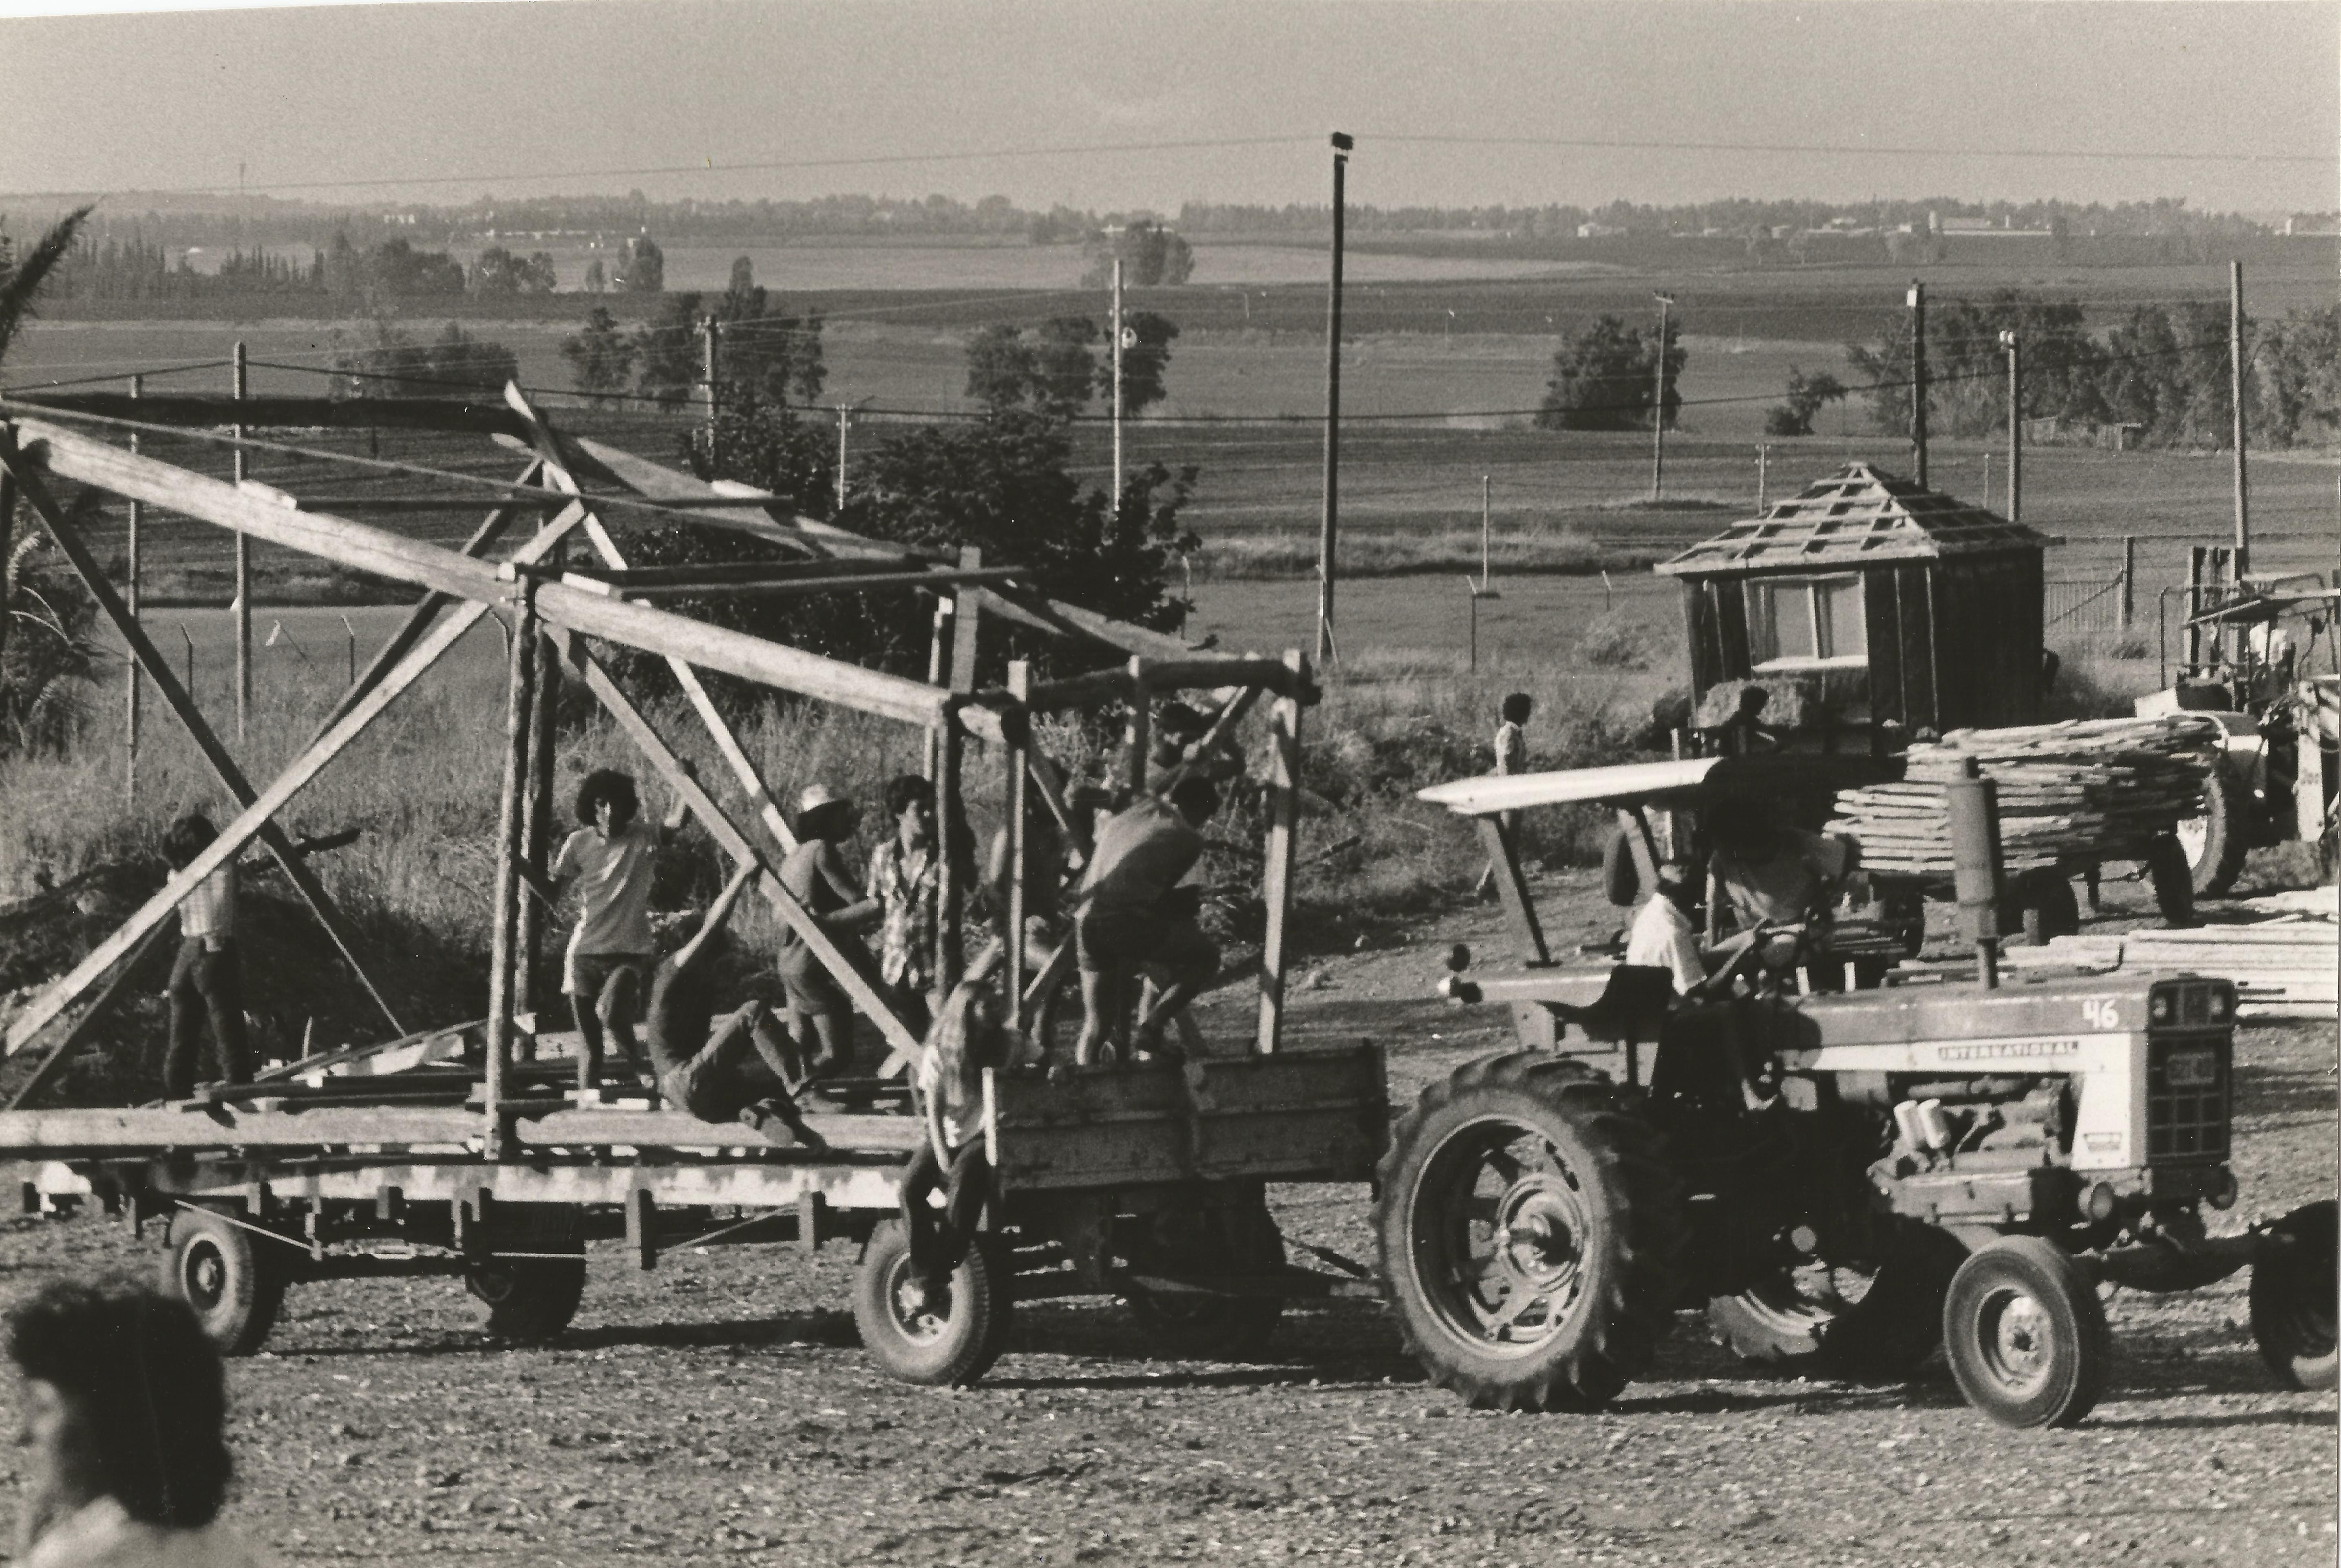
{"x": 2085, "y": 605}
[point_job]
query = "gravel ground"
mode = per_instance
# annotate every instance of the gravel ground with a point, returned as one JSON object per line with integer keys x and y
{"x": 719, "y": 1409}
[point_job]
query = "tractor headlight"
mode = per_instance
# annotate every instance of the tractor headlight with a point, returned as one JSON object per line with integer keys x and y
{"x": 2104, "y": 1202}
{"x": 2221, "y": 1192}
{"x": 2222, "y": 1005}
{"x": 2158, "y": 1008}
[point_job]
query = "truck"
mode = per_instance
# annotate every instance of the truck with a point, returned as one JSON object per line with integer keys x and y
{"x": 1845, "y": 1176}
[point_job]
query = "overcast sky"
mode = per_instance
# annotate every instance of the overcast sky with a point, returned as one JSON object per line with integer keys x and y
{"x": 504, "y": 94}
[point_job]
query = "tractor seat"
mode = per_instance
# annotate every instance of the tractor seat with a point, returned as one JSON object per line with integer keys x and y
{"x": 1629, "y": 1009}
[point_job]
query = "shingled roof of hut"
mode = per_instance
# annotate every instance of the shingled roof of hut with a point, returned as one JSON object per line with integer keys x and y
{"x": 1857, "y": 515}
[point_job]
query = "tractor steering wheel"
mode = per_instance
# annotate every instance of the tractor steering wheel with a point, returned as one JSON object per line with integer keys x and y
{"x": 1747, "y": 953}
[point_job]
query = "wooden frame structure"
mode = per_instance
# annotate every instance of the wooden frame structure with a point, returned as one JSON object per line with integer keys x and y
{"x": 559, "y": 605}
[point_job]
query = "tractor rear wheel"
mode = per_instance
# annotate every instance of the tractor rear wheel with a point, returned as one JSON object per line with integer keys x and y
{"x": 1238, "y": 1240}
{"x": 220, "y": 1269}
{"x": 2292, "y": 1297}
{"x": 2025, "y": 1334}
{"x": 1528, "y": 1235}
{"x": 1873, "y": 1323}
{"x": 2215, "y": 838}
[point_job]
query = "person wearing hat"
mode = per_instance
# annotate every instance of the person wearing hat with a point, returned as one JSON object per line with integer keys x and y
{"x": 821, "y": 1014}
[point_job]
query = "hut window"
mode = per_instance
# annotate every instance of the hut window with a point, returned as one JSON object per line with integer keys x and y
{"x": 1802, "y": 621}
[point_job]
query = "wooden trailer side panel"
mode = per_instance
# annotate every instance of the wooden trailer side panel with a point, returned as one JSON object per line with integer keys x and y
{"x": 1309, "y": 1115}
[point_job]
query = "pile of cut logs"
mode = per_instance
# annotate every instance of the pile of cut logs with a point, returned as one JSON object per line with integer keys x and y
{"x": 2097, "y": 788}
{"x": 2284, "y": 961}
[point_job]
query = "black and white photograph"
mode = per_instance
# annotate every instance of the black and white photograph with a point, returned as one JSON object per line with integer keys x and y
{"x": 746, "y": 816}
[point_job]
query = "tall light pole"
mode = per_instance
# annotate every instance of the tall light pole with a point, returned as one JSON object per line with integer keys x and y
{"x": 2236, "y": 394}
{"x": 1117, "y": 381}
{"x": 1919, "y": 376}
{"x": 1342, "y": 144}
{"x": 2010, "y": 341}
{"x": 1658, "y": 405}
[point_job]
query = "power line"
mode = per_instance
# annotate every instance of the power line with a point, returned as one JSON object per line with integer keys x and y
{"x": 2108, "y": 154}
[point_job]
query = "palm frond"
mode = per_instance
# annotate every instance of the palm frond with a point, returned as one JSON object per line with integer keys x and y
{"x": 17, "y": 289}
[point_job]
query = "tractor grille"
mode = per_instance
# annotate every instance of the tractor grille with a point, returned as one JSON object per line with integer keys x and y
{"x": 2187, "y": 1098}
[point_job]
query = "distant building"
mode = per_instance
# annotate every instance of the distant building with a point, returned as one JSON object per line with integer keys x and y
{"x": 1597, "y": 230}
{"x": 2313, "y": 223}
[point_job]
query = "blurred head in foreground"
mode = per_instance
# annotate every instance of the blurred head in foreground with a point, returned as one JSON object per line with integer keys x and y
{"x": 122, "y": 1402}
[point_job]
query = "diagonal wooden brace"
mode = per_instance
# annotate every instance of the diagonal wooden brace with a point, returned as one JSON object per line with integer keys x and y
{"x": 231, "y": 776}
{"x": 737, "y": 845}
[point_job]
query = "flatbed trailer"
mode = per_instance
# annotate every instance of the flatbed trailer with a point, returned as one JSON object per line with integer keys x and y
{"x": 457, "y": 1151}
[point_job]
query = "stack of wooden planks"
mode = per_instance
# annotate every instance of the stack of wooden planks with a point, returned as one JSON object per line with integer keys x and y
{"x": 2283, "y": 965}
{"x": 2098, "y": 788}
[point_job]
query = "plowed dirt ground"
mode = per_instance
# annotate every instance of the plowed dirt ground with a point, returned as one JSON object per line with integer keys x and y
{"x": 719, "y": 1409}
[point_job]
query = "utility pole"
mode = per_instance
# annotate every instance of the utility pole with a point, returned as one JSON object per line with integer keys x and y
{"x": 242, "y": 384}
{"x": 1919, "y": 376}
{"x": 1484, "y": 509}
{"x": 2009, "y": 341}
{"x": 710, "y": 348}
{"x": 1342, "y": 144}
{"x": 137, "y": 389}
{"x": 844, "y": 418}
{"x": 1763, "y": 452}
{"x": 1658, "y": 405}
{"x": 1117, "y": 381}
{"x": 2236, "y": 395}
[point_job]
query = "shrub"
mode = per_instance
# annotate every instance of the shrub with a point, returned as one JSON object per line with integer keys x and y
{"x": 1613, "y": 641}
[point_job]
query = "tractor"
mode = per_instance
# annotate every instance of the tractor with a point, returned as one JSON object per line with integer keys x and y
{"x": 2249, "y": 663}
{"x": 1847, "y": 1173}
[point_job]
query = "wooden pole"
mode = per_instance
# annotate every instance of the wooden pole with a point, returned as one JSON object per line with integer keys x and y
{"x": 2128, "y": 580}
{"x": 939, "y": 643}
{"x": 519, "y": 693}
{"x": 1135, "y": 736}
{"x": 2015, "y": 347}
{"x": 1763, "y": 453}
{"x": 1284, "y": 815}
{"x": 710, "y": 352}
{"x": 142, "y": 648}
{"x": 2236, "y": 395}
{"x": 1659, "y": 407}
{"x": 131, "y": 594}
{"x": 1919, "y": 376}
{"x": 241, "y": 373}
{"x": 950, "y": 855}
{"x": 1326, "y": 534}
{"x": 1117, "y": 383}
{"x": 538, "y": 813}
{"x": 1020, "y": 748}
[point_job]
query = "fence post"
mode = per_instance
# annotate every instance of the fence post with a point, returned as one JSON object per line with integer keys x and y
{"x": 243, "y": 617}
{"x": 2128, "y": 580}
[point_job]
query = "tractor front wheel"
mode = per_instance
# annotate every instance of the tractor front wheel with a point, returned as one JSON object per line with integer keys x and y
{"x": 2025, "y": 1334}
{"x": 2294, "y": 1299}
{"x": 1528, "y": 1235}
{"x": 1873, "y": 1323}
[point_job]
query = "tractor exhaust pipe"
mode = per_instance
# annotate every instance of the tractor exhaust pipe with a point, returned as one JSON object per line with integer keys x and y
{"x": 1977, "y": 873}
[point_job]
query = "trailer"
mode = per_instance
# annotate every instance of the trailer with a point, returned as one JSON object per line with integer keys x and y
{"x": 457, "y": 1150}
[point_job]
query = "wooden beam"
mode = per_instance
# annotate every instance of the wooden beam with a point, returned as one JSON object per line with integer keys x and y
{"x": 205, "y": 411}
{"x": 1223, "y": 726}
{"x": 426, "y": 610}
{"x": 375, "y": 550}
{"x": 512, "y": 805}
{"x": 552, "y": 449}
{"x": 254, "y": 821}
{"x": 753, "y": 578}
{"x": 1520, "y": 910}
{"x": 87, "y": 1024}
{"x": 736, "y": 843}
{"x": 748, "y": 516}
{"x": 1020, "y": 745}
{"x": 1283, "y": 824}
{"x": 231, "y": 776}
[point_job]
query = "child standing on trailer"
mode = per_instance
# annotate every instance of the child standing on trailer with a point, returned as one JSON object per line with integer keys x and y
{"x": 207, "y": 981}
{"x": 610, "y": 954}
{"x": 1512, "y": 757}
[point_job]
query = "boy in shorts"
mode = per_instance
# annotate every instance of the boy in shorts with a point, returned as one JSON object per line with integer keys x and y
{"x": 611, "y": 858}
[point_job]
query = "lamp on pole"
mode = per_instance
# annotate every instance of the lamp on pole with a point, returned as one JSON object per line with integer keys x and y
{"x": 1658, "y": 405}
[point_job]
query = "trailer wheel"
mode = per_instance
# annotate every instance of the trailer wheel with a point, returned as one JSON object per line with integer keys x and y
{"x": 1241, "y": 1240}
{"x": 1878, "y": 1324}
{"x": 1528, "y": 1235}
{"x": 2215, "y": 838}
{"x": 2042, "y": 906}
{"x": 2292, "y": 1297}
{"x": 529, "y": 1300}
{"x": 950, "y": 1342}
{"x": 216, "y": 1267}
{"x": 2025, "y": 1334}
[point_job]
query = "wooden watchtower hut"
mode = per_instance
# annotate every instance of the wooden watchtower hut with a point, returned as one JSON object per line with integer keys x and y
{"x": 1892, "y": 607}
